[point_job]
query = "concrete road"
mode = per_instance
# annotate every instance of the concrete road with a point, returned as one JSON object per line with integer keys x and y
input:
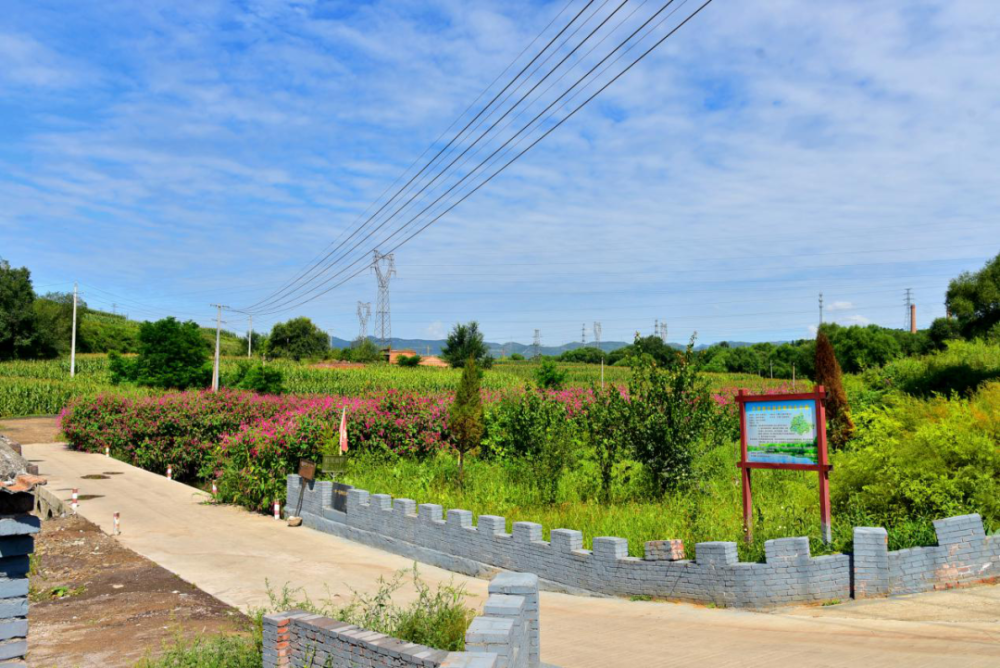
{"x": 232, "y": 554}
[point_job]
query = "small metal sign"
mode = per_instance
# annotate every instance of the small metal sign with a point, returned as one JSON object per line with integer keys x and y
{"x": 340, "y": 496}
{"x": 334, "y": 463}
{"x": 307, "y": 470}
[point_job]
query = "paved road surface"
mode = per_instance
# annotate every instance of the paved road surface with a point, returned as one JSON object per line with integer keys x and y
{"x": 230, "y": 553}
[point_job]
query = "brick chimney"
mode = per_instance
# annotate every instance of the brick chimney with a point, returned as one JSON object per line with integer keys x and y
{"x": 913, "y": 318}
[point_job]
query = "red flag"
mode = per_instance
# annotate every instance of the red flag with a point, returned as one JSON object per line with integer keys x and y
{"x": 343, "y": 431}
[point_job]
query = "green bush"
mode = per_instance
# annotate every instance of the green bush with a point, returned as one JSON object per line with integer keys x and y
{"x": 962, "y": 367}
{"x": 256, "y": 377}
{"x": 536, "y": 433}
{"x": 408, "y": 361}
{"x": 669, "y": 413}
{"x": 923, "y": 459}
{"x": 549, "y": 376}
{"x": 172, "y": 355}
{"x": 465, "y": 342}
{"x": 297, "y": 339}
{"x": 517, "y": 357}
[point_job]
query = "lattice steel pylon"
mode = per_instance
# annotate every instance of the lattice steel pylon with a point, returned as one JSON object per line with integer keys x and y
{"x": 597, "y": 334}
{"x": 384, "y": 267}
{"x": 364, "y": 315}
{"x": 537, "y": 344}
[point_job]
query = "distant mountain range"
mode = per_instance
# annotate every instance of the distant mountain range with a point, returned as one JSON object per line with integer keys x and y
{"x": 434, "y": 346}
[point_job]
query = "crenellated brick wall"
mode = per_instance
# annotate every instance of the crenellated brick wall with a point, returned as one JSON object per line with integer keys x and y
{"x": 789, "y": 575}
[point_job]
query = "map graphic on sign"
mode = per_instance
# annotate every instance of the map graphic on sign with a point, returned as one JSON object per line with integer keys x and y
{"x": 781, "y": 432}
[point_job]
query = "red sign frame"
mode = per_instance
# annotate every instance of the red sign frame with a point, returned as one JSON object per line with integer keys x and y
{"x": 823, "y": 467}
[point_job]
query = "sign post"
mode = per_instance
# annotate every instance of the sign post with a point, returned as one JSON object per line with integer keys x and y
{"x": 785, "y": 432}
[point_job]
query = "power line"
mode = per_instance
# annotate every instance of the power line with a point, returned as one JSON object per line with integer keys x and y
{"x": 466, "y": 150}
{"x": 459, "y": 134}
{"x": 306, "y": 299}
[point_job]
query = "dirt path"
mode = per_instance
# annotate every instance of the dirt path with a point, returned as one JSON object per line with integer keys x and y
{"x": 232, "y": 554}
{"x": 96, "y": 604}
{"x": 31, "y": 430}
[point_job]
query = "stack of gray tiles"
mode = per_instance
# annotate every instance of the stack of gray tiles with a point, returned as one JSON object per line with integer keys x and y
{"x": 505, "y": 636}
{"x": 16, "y": 546}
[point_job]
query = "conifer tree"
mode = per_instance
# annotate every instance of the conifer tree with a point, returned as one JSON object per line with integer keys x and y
{"x": 828, "y": 374}
{"x": 465, "y": 418}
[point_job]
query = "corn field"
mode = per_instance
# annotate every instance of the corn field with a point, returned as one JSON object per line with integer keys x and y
{"x": 44, "y": 387}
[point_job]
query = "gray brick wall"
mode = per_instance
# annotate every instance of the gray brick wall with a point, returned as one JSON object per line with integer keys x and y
{"x": 789, "y": 575}
{"x": 964, "y": 555}
{"x": 450, "y": 540}
{"x": 504, "y": 636}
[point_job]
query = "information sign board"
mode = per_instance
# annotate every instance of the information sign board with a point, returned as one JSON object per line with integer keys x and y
{"x": 784, "y": 431}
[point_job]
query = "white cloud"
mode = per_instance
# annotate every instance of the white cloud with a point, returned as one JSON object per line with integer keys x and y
{"x": 436, "y": 330}
{"x": 839, "y": 306}
{"x": 857, "y": 319}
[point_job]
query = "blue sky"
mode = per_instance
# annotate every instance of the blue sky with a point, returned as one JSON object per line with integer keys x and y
{"x": 168, "y": 155}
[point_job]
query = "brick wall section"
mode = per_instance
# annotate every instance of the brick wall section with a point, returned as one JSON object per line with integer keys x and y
{"x": 16, "y": 546}
{"x": 449, "y": 540}
{"x": 871, "y": 562}
{"x": 964, "y": 555}
{"x": 505, "y": 636}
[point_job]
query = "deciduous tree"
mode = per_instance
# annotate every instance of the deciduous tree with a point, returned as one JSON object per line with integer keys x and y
{"x": 465, "y": 417}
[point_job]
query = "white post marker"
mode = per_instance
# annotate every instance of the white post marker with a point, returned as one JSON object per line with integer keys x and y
{"x": 277, "y": 510}
{"x": 107, "y": 451}
{"x": 76, "y": 502}
{"x": 215, "y": 489}
{"x": 118, "y": 528}
{"x": 170, "y": 472}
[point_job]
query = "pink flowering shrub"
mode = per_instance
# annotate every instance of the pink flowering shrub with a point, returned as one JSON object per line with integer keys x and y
{"x": 180, "y": 430}
{"x": 255, "y": 459}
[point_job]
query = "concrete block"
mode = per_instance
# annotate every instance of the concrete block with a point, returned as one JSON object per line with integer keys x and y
{"x": 566, "y": 540}
{"x": 609, "y": 548}
{"x": 527, "y": 532}
{"x": 716, "y": 553}
{"x": 491, "y": 525}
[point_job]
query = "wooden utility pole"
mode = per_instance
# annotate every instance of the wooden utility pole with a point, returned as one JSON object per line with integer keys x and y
{"x": 250, "y": 337}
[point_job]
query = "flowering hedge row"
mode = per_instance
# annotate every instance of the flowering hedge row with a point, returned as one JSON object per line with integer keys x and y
{"x": 248, "y": 442}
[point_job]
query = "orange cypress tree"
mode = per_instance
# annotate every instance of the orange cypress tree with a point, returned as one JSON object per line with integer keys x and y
{"x": 828, "y": 374}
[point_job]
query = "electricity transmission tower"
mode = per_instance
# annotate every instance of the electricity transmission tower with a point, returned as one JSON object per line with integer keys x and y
{"x": 583, "y": 334}
{"x": 821, "y": 308}
{"x": 537, "y": 345}
{"x": 597, "y": 334}
{"x": 364, "y": 314}
{"x": 385, "y": 268}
